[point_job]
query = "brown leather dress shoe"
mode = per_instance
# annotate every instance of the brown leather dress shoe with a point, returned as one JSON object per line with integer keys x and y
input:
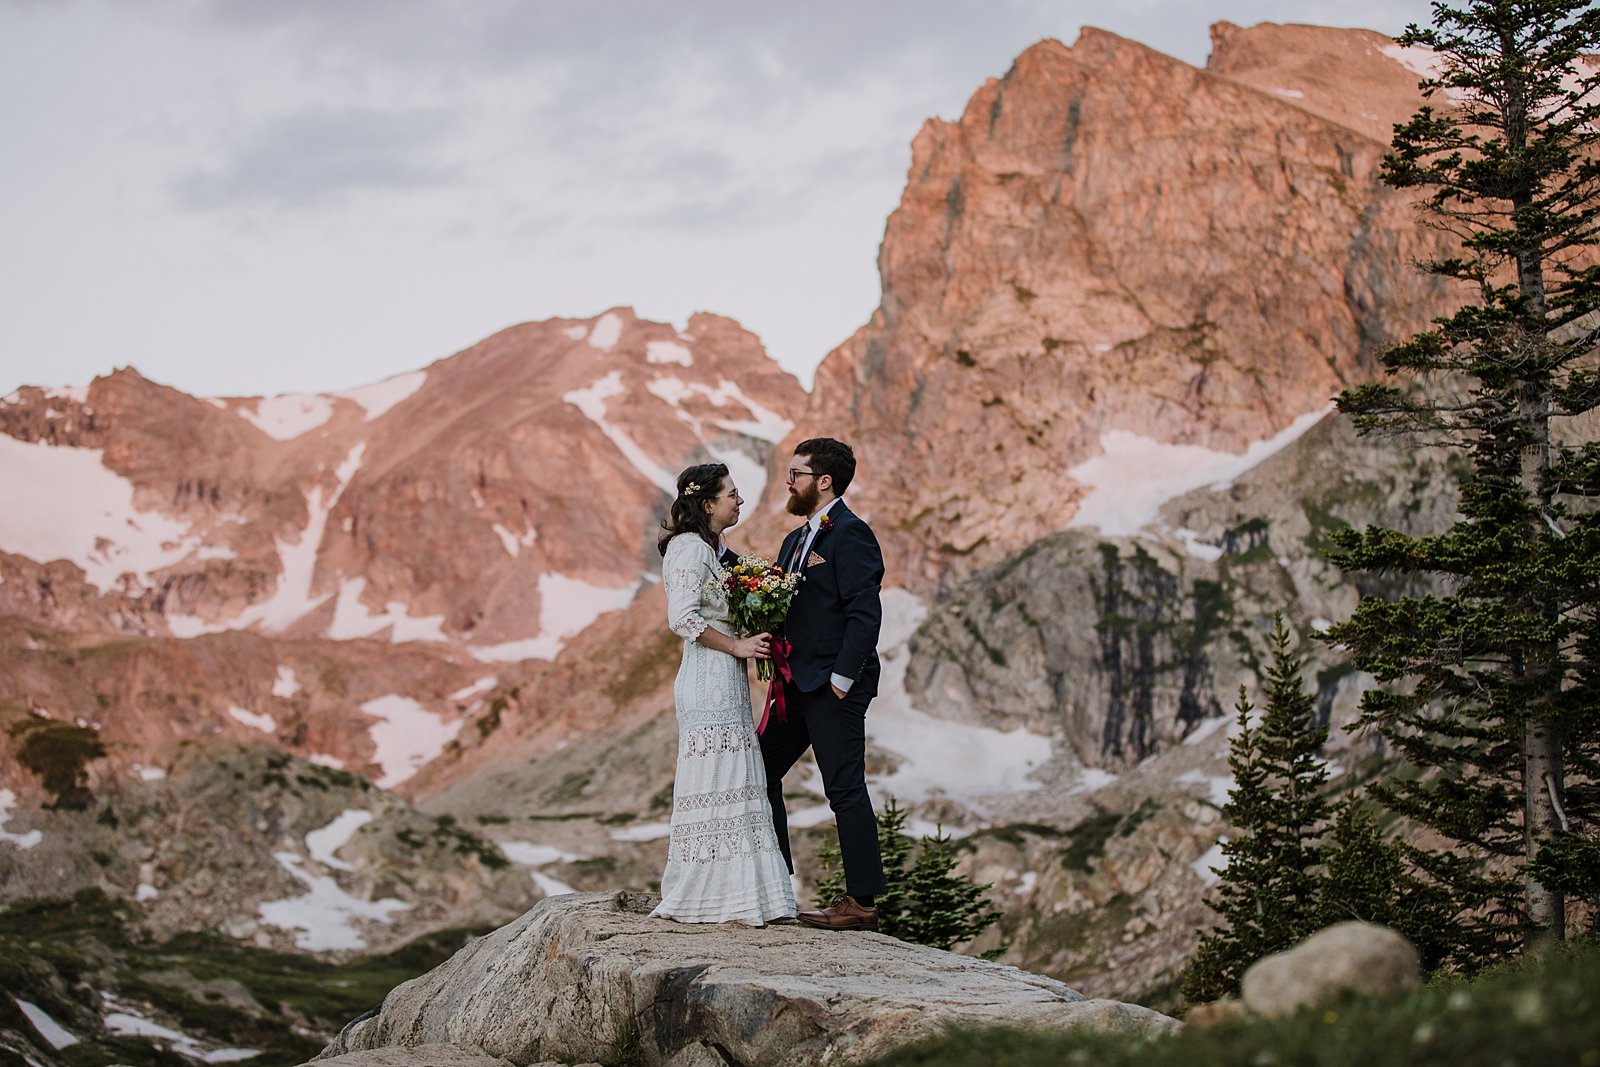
{"x": 845, "y": 915}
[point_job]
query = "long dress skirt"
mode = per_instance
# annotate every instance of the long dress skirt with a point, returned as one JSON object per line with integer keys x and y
{"x": 723, "y": 861}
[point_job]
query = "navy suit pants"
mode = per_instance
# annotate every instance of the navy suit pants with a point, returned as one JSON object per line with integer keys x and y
{"x": 835, "y": 731}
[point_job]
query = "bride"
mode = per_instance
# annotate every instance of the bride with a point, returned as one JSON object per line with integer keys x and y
{"x": 723, "y": 860}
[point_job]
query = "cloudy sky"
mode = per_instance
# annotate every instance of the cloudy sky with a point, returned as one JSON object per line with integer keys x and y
{"x": 260, "y": 196}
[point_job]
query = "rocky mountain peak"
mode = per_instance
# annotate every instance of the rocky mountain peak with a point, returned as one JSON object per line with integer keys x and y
{"x": 1111, "y": 252}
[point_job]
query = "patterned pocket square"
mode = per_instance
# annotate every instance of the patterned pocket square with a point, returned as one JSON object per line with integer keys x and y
{"x": 814, "y": 559}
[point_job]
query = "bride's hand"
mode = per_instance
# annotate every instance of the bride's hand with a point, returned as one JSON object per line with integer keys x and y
{"x": 757, "y": 646}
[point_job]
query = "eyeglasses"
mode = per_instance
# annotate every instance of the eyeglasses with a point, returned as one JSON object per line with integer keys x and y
{"x": 795, "y": 474}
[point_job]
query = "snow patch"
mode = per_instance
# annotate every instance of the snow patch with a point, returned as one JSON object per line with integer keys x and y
{"x": 80, "y": 511}
{"x": 1091, "y": 779}
{"x": 1424, "y": 63}
{"x": 292, "y": 598}
{"x": 806, "y": 818}
{"x": 58, "y": 1036}
{"x": 324, "y": 919}
{"x": 406, "y": 738}
{"x": 8, "y": 800}
{"x": 920, "y": 828}
{"x": 668, "y": 352}
{"x": 651, "y": 831}
{"x": 567, "y": 606}
{"x": 528, "y": 854}
{"x": 607, "y": 332}
{"x": 1292, "y": 94}
{"x": 592, "y": 402}
{"x": 322, "y": 759}
{"x": 1206, "y": 728}
{"x": 321, "y": 845}
{"x": 265, "y": 723}
{"x": 1026, "y": 883}
{"x": 1212, "y": 857}
{"x": 1135, "y": 475}
{"x": 515, "y": 543}
{"x": 467, "y": 692}
{"x": 150, "y": 774}
{"x": 550, "y": 887}
{"x": 352, "y": 619}
{"x": 762, "y": 423}
{"x": 749, "y": 476}
{"x": 1197, "y": 548}
{"x": 145, "y": 892}
{"x": 939, "y": 757}
{"x": 286, "y": 684}
{"x": 379, "y": 397}
{"x": 577, "y": 333}
{"x": 283, "y": 418}
{"x": 1218, "y": 786}
{"x": 124, "y": 1020}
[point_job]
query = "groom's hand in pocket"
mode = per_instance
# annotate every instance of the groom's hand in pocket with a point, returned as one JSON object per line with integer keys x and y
{"x": 838, "y": 693}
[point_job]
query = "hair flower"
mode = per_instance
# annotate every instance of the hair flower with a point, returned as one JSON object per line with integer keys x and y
{"x": 691, "y": 489}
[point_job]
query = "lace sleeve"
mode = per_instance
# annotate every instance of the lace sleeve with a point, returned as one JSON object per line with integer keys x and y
{"x": 684, "y": 571}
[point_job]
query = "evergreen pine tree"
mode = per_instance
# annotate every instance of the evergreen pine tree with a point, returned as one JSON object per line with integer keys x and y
{"x": 1487, "y": 688}
{"x": 1361, "y": 871}
{"x": 1269, "y": 892}
{"x": 925, "y": 901}
{"x": 1366, "y": 878}
{"x": 942, "y": 908}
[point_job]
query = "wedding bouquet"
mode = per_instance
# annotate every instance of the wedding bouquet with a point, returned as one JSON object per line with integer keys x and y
{"x": 758, "y": 595}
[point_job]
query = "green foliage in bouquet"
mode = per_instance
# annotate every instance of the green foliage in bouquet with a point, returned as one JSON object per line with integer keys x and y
{"x": 758, "y": 595}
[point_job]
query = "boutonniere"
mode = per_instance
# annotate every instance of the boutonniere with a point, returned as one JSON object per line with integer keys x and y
{"x": 826, "y": 524}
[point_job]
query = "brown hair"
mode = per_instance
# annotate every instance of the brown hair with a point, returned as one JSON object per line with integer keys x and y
{"x": 833, "y": 458}
{"x": 695, "y": 485}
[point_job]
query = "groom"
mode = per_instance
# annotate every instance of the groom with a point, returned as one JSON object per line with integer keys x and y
{"x": 832, "y": 627}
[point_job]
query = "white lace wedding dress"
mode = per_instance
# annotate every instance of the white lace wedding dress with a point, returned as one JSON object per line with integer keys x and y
{"x": 723, "y": 862}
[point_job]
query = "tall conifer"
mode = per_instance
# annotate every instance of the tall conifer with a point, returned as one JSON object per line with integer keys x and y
{"x": 1486, "y": 687}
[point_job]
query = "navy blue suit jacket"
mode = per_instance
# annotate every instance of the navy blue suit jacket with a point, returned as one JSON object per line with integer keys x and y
{"x": 835, "y": 616}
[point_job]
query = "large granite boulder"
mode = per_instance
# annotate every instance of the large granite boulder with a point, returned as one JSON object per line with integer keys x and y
{"x": 591, "y": 977}
{"x": 1349, "y": 957}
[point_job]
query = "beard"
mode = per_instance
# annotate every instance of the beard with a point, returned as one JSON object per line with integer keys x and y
{"x": 804, "y": 503}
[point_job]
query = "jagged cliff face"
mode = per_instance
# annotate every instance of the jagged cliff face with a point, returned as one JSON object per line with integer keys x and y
{"x": 1111, "y": 241}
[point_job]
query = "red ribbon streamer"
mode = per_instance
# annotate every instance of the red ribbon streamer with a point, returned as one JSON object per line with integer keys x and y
{"x": 781, "y": 673}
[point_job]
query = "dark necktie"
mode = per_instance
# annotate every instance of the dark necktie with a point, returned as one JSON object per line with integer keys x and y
{"x": 795, "y": 558}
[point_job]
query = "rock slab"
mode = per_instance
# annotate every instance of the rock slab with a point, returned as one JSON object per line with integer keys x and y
{"x": 591, "y": 977}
